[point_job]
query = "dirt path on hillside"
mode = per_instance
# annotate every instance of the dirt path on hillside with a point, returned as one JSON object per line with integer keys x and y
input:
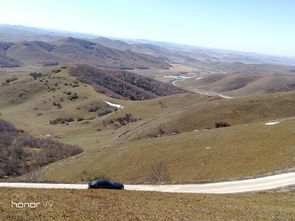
{"x": 210, "y": 93}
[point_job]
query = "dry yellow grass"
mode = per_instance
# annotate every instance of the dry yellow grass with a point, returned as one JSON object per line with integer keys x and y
{"x": 241, "y": 150}
{"x": 125, "y": 205}
{"x": 234, "y": 152}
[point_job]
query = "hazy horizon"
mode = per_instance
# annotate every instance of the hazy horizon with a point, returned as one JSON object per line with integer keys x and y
{"x": 263, "y": 27}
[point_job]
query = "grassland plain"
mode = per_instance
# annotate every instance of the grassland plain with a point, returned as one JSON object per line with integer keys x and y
{"x": 130, "y": 205}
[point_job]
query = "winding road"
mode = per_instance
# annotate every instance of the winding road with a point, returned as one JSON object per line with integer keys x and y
{"x": 210, "y": 93}
{"x": 176, "y": 79}
{"x": 239, "y": 186}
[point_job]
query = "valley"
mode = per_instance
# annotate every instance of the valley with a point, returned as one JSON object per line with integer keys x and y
{"x": 145, "y": 114}
{"x": 172, "y": 132}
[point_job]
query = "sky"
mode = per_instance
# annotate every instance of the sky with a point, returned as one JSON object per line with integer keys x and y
{"x": 263, "y": 26}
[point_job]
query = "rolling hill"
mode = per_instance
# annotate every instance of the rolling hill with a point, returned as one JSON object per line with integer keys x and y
{"x": 71, "y": 50}
{"x": 172, "y": 52}
{"x": 248, "y": 148}
{"x": 175, "y": 134}
{"x": 139, "y": 130}
{"x": 242, "y": 83}
{"x": 122, "y": 84}
{"x": 13, "y": 33}
{"x": 7, "y": 62}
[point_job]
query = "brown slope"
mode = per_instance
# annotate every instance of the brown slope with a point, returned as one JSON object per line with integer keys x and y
{"x": 21, "y": 153}
{"x": 167, "y": 54}
{"x": 35, "y": 53}
{"x": 241, "y": 83}
{"x": 72, "y": 51}
{"x": 7, "y": 62}
{"x": 91, "y": 53}
{"x": 122, "y": 84}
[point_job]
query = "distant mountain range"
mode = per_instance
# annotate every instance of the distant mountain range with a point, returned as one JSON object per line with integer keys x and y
{"x": 172, "y": 52}
{"x": 12, "y": 33}
{"x": 72, "y": 50}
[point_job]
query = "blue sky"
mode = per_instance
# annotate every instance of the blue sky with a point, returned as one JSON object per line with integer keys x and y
{"x": 265, "y": 26}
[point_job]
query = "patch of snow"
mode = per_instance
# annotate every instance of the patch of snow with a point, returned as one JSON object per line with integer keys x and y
{"x": 114, "y": 105}
{"x": 199, "y": 78}
{"x": 176, "y": 77}
{"x": 185, "y": 77}
{"x": 272, "y": 123}
{"x": 208, "y": 148}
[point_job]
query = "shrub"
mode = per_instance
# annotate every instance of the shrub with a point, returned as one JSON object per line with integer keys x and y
{"x": 56, "y": 71}
{"x": 35, "y": 75}
{"x": 67, "y": 92}
{"x": 93, "y": 109}
{"x": 61, "y": 120}
{"x": 10, "y": 80}
{"x": 121, "y": 121}
{"x": 57, "y": 105}
{"x": 222, "y": 124}
{"x": 18, "y": 152}
{"x": 80, "y": 119}
{"x": 105, "y": 112}
{"x": 73, "y": 96}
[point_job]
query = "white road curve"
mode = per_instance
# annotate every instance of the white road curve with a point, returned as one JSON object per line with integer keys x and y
{"x": 239, "y": 186}
{"x": 272, "y": 123}
{"x": 45, "y": 185}
{"x": 210, "y": 93}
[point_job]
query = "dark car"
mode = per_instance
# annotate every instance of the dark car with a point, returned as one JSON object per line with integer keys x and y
{"x": 105, "y": 184}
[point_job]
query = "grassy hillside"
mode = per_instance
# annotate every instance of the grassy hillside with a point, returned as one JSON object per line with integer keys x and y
{"x": 228, "y": 78}
{"x": 5, "y": 61}
{"x": 129, "y": 205}
{"x": 191, "y": 112}
{"x": 263, "y": 68}
{"x": 174, "y": 133}
{"x": 241, "y": 83}
{"x": 35, "y": 54}
{"x": 198, "y": 156}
